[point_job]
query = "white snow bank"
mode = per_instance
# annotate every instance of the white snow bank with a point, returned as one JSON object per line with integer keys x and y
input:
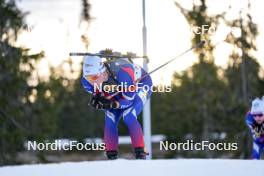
{"x": 179, "y": 167}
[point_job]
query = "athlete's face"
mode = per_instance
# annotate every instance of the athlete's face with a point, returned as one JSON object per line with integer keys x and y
{"x": 259, "y": 118}
{"x": 97, "y": 78}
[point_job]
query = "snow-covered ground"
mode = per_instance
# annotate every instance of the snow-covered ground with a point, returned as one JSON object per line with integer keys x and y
{"x": 179, "y": 167}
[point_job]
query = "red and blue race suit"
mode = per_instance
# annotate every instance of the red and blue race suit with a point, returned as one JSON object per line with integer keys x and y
{"x": 131, "y": 103}
{"x": 257, "y": 131}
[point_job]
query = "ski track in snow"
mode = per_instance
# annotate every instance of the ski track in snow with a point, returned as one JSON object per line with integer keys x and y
{"x": 121, "y": 167}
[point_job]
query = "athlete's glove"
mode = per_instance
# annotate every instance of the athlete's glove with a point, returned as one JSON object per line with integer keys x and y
{"x": 107, "y": 104}
{"x": 94, "y": 101}
{"x": 99, "y": 102}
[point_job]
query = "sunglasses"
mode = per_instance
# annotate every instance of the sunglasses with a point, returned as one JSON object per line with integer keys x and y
{"x": 92, "y": 77}
{"x": 257, "y": 115}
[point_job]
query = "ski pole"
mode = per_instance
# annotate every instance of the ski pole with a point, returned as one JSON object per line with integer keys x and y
{"x": 198, "y": 45}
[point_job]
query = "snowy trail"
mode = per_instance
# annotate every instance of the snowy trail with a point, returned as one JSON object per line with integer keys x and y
{"x": 179, "y": 167}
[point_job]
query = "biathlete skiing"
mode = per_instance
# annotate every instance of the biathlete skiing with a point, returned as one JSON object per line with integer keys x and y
{"x": 125, "y": 103}
{"x": 255, "y": 122}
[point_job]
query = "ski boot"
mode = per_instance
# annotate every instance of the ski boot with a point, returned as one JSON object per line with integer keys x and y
{"x": 140, "y": 153}
{"x": 112, "y": 155}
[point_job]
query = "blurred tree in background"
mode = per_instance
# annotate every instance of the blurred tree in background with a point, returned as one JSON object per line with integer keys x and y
{"x": 208, "y": 102}
{"x": 243, "y": 75}
{"x": 199, "y": 91}
{"x": 32, "y": 108}
{"x": 19, "y": 105}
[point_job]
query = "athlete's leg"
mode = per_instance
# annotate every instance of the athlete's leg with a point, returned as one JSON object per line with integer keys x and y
{"x": 112, "y": 118}
{"x": 257, "y": 150}
{"x": 130, "y": 118}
